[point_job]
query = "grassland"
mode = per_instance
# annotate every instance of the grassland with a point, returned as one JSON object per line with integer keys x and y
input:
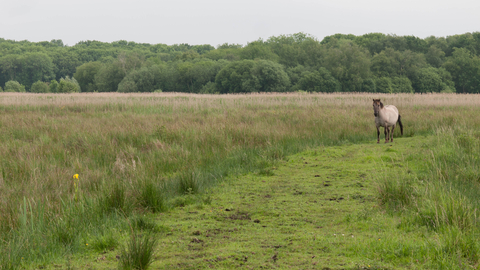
{"x": 150, "y": 160}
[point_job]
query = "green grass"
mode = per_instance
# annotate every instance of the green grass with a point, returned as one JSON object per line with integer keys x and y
{"x": 325, "y": 208}
{"x": 158, "y": 156}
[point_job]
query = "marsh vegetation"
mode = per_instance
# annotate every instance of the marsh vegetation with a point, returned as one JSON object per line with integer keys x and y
{"x": 142, "y": 154}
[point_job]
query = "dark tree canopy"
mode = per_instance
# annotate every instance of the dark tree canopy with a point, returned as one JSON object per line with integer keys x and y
{"x": 373, "y": 62}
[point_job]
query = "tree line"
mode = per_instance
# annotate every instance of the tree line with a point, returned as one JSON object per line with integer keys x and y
{"x": 372, "y": 62}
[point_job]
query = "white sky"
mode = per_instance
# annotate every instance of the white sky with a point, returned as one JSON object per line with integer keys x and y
{"x": 216, "y": 22}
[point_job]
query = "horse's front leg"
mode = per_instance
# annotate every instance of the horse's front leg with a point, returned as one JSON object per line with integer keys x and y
{"x": 378, "y": 135}
{"x": 387, "y": 133}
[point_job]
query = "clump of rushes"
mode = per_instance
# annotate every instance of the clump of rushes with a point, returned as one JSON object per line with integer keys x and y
{"x": 139, "y": 252}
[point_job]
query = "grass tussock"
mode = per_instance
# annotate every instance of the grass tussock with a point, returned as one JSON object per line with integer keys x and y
{"x": 139, "y": 252}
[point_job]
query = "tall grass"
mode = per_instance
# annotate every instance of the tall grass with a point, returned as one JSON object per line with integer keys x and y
{"x": 445, "y": 200}
{"x": 135, "y": 152}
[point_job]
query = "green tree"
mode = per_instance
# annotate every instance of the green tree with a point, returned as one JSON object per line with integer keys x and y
{"x": 387, "y": 63}
{"x": 252, "y": 76}
{"x": 53, "y": 86}
{"x": 229, "y": 46}
{"x": 373, "y": 42}
{"x": 209, "y": 88}
{"x": 236, "y": 78}
{"x": 295, "y": 73}
{"x": 349, "y": 64}
{"x": 142, "y": 80}
{"x": 464, "y": 68}
{"x": 127, "y": 85}
{"x": 129, "y": 61}
{"x": 194, "y": 75}
{"x": 166, "y": 78}
{"x": 10, "y": 66}
{"x": 384, "y": 85}
{"x": 39, "y": 87}
{"x": 202, "y": 49}
{"x": 368, "y": 85}
{"x": 108, "y": 77}
{"x": 68, "y": 85}
{"x": 318, "y": 81}
{"x": 14, "y": 86}
{"x": 35, "y": 67}
{"x": 230, "y": 53}
{"x": 392, "y": 63}
{"x": 468, "y": 41}
{"x": 435, "y": 56}
{"x": 258, "y": 50}
{"x": 333, "y": 39}
{"x": 439, "y": 42}
{"x": 188, "y": 55}
{"x": 271, "y": 76}
{"x": 401, "y": 85}
{"x": 65, "y": 61}
{"x": 428, "y": 80}
{"x": 85, "y": 75}
{"x": 296, "y": 49}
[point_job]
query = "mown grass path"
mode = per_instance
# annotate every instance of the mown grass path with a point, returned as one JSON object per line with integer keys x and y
{"x": 316, "y": 210}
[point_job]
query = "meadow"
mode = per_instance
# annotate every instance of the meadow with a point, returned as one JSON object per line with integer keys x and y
{"x": 144, "y": 155}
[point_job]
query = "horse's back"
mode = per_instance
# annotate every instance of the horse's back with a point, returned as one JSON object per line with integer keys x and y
{"x": 392, "y": 114}
{"x": 389, "y": 117}
{"x": 392, "y": 107}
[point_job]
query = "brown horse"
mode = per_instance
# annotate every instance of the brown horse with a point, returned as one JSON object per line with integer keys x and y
{"x": 386, "y": 116}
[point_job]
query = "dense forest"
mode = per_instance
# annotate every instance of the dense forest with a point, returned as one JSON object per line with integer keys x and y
{"x": 372, "y": 62}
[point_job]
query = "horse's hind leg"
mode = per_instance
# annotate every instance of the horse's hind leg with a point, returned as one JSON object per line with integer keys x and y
{"x": 391, "y": 133}
{"x": 387, "y": 134}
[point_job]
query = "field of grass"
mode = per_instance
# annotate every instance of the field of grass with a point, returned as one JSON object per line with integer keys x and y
{"x": 213, "y": 181}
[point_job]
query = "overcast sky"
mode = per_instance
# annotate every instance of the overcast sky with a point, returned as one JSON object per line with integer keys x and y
{"x": 216, "y": 22}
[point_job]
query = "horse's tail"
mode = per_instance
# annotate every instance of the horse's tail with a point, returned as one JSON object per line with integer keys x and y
{"x": 400, "y": 123}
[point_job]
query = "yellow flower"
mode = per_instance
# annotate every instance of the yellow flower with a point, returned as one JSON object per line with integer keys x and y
{"x": 75, "y": 176}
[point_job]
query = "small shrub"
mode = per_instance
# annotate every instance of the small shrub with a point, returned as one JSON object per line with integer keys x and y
{"x": 53, "y": 86}
{"x": 209, "y": 88}
{"x": 68, "y": 85}
{"x": 14, "y": 86}
{"x": 39, "y": 87}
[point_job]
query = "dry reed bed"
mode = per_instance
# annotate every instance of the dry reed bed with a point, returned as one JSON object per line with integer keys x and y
{"x": 215, "y": 101}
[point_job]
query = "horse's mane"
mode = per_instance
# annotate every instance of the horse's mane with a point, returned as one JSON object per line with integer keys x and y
{"x": 381, "y": 104}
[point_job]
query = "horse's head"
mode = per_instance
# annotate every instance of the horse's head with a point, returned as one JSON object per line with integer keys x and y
{"x": 377, "y": 106}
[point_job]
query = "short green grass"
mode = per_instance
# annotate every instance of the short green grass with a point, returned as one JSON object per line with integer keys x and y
{"x": 318, "y": 209}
